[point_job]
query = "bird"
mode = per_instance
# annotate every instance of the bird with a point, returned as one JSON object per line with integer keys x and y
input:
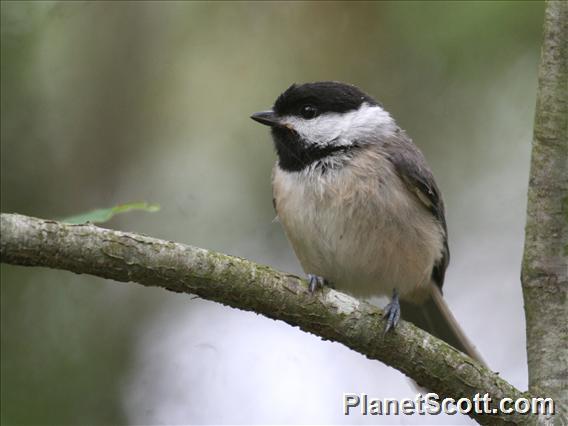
{"x": 360, "y": 205}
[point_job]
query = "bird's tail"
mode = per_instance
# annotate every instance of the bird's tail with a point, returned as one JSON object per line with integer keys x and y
{"x": 435, "y": 317}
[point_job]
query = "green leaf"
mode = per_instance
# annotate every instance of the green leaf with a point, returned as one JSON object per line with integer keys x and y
{"x": 104, "y": 215}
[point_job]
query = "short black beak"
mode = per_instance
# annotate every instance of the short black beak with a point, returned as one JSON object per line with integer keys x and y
{"x": 268, "y": 118}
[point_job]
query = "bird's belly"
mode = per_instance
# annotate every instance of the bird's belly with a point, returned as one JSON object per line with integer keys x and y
{"x": 363, "y": 245}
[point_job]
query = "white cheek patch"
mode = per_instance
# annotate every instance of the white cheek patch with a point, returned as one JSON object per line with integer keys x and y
{"x": 343, "y": 129}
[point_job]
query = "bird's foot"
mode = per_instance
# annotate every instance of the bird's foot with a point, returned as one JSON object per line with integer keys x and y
{"x": 392, "y": 312}
{"x": 315, "y": 282}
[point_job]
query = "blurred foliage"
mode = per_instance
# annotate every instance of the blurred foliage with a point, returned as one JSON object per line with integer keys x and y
{"x": 106, "y": 101}
{"x": 104, "y": 215}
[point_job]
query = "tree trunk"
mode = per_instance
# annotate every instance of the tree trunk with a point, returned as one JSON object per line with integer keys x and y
{"x": 545, "y": 262}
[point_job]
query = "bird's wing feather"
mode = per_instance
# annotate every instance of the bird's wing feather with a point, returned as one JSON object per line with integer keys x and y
{"x": 434, "y": 314}
{"x": 411, "y": 167}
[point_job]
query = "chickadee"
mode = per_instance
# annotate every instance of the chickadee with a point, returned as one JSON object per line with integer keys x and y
{"x": 360, "y": 205}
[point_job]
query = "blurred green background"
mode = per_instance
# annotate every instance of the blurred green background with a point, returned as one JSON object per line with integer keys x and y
{"x": 110, "y": 102}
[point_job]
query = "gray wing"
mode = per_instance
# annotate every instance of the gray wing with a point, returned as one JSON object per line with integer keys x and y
{"x": 434, "y": 315}
{"x": 411, "y": 166}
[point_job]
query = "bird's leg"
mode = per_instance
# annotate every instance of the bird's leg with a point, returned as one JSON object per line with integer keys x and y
{"x": 392, "y": 312}
{"x": 316, "y": 282}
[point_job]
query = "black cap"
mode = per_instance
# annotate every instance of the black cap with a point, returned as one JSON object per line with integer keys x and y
{"x": 326, "y": 96}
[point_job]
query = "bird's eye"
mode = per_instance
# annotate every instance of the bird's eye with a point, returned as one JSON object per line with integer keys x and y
{"x": 309, "y": 111}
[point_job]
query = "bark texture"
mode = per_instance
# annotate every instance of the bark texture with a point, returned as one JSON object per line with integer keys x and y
{"x": 245, "y": 285}
{"x": 545, "y": 262}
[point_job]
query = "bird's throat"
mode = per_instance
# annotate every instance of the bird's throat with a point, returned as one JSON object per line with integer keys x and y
{"x": 295, "y": 155}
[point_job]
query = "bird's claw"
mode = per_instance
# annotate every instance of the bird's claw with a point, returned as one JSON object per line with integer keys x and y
{"x": 315, "y": 282}
{"x": 392, "y": 313}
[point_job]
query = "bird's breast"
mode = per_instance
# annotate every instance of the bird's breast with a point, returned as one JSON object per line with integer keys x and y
{"x": 359, "y": 227}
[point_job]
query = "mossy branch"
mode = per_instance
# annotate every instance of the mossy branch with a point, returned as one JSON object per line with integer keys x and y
{"x": 243, "y": 284}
